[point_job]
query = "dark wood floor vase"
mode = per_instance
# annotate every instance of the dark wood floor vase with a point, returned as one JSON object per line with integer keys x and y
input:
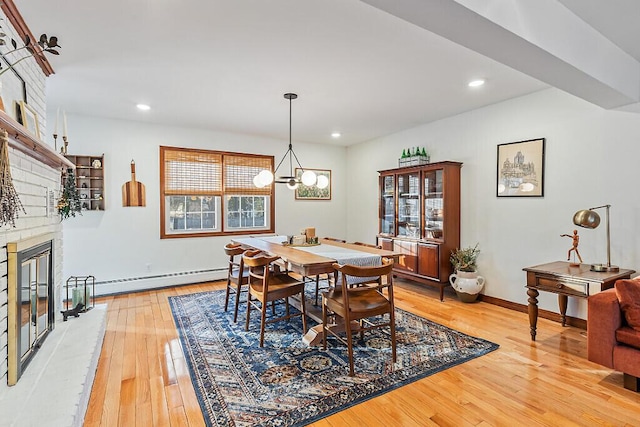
{"x": 143, "y": 380}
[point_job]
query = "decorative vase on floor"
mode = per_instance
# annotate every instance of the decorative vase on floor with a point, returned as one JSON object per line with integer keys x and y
{"x": 467, "y": 285}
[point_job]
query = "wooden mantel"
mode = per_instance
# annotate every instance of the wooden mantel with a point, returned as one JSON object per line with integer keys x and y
{"x": 23, "y": 140}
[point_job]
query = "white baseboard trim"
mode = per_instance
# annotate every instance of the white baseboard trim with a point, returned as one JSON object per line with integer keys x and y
{"x": 134, "y": 284}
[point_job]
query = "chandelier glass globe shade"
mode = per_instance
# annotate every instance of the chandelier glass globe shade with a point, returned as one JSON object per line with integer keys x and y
{"x": 308, "y": 178}
{"x": 257, "y": 181}
{"x": 266, "y": 177}
{"x": 323, "y": 182}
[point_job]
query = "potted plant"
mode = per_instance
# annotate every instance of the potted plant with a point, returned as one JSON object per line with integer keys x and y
{"x": 466, "y": 281}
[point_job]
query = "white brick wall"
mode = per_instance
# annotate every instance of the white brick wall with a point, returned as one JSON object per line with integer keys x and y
{"x": 30, "y": 72}
{"x": 31, "y": 179}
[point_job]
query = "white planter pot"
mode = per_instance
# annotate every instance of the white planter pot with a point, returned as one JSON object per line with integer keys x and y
{"x": 467, "y": 285}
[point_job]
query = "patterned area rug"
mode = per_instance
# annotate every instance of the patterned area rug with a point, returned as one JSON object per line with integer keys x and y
{"x": 286, "y": 383}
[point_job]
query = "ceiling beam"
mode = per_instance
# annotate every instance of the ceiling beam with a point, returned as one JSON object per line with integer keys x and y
{"x": 542, "y": 39}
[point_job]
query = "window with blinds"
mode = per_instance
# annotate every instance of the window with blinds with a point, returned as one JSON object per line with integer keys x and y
{"x": 205, "y": 193}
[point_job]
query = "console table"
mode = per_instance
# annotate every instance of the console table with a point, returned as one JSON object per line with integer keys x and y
{"x": 566, "y": 280}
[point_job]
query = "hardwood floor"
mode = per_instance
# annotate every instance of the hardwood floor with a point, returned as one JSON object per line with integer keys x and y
{"x": 142, "y": 377}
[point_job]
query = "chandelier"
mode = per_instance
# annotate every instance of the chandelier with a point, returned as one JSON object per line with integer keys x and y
{"x": 308, "y": 178}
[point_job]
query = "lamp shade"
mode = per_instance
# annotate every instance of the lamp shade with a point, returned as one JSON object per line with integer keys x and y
{"x": 586, "y": 218}
{"x": 323, "y": 182}
{"x": 257, "y": 182}
{"x": 308, "y": 178}
{"x": 265, "y": 177}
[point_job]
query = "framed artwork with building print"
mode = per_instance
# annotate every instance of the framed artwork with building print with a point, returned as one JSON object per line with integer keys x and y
{"x": 320, "y": 191}
{"x": 521, "y": 169}
{"x": 28, "y": 118}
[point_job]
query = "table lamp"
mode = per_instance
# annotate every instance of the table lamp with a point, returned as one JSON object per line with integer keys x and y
{"x": 588, "y": 218}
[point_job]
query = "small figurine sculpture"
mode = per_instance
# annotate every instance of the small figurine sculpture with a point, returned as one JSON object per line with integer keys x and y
{"x": 75, "y": 312}
{"x": 575, "y": 239}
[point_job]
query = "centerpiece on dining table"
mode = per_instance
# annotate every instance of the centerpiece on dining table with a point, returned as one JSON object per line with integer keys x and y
{"x": 307, "y": 237}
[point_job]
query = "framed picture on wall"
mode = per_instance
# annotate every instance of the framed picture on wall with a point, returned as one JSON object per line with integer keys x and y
{"x": 28, "y": 118}
{"x": 521, "y": 169}
{"x": 13, "y": 89}
{"x": 320, "y": 191}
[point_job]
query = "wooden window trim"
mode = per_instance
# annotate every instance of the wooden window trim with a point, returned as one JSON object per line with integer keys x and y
{"x": 270, "y": 194}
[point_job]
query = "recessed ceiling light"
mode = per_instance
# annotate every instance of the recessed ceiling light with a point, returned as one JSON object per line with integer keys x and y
{"x": 335, "y": 135}
{"x": 143, "y": 107}
{"x": 476, "y": 83}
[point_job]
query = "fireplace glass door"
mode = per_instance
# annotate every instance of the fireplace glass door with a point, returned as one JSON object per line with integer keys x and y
{"x": 34, "y": 302}
{"x": 30, "y": 300}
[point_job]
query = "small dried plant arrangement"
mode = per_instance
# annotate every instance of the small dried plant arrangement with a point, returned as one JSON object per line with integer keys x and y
{"x": 69, "y": 202}
{"x": 10, "y": 203}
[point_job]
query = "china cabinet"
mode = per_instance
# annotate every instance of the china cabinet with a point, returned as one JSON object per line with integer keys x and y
{"x": 89, "y": 180}
{"x": 420, "y": 217}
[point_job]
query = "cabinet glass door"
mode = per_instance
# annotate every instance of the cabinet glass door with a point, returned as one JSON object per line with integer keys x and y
{"x": 388, "y": 205}
{"x": 433, "y": 204}
{"x": 409, "y": 205}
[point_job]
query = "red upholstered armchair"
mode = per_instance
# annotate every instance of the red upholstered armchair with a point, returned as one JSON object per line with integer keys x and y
{"x": 610, "y": 340}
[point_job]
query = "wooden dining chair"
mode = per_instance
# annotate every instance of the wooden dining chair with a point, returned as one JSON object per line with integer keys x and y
{"x": 237, "y": 275}
{"x": 333, "y": 239}
{"x": 369, "y": 245}
{"x": 328, "y": 278}
{"x": 359, "y": 305}
{"x": 266, "y": 284}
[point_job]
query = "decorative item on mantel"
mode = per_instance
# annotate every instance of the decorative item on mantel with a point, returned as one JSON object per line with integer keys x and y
{"x": 64, "y": 149}
{"x": 44, "y": 45}
{"x": 466, "y": 281}
{"x": 414, "y": 157}
{"x": 10, "y": 203}
{"x": 1, "y": 100}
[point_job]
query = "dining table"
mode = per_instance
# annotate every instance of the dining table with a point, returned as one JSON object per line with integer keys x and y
{"x": 309, "y": 260}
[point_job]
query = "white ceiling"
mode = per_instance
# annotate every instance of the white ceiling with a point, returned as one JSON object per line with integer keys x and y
{"x": 225, "y": 64}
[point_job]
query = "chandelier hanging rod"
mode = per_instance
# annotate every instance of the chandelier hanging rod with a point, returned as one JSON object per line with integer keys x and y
{"x": 308, "y": 177}
{"x": 290, "y": 152}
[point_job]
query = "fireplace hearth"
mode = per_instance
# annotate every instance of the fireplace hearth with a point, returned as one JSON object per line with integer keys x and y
{"x": 31, "y": 300}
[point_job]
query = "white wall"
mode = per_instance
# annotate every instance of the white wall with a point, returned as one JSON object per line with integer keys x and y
{"x": 124, "y": 242}
{"x": 591, "y": 157}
